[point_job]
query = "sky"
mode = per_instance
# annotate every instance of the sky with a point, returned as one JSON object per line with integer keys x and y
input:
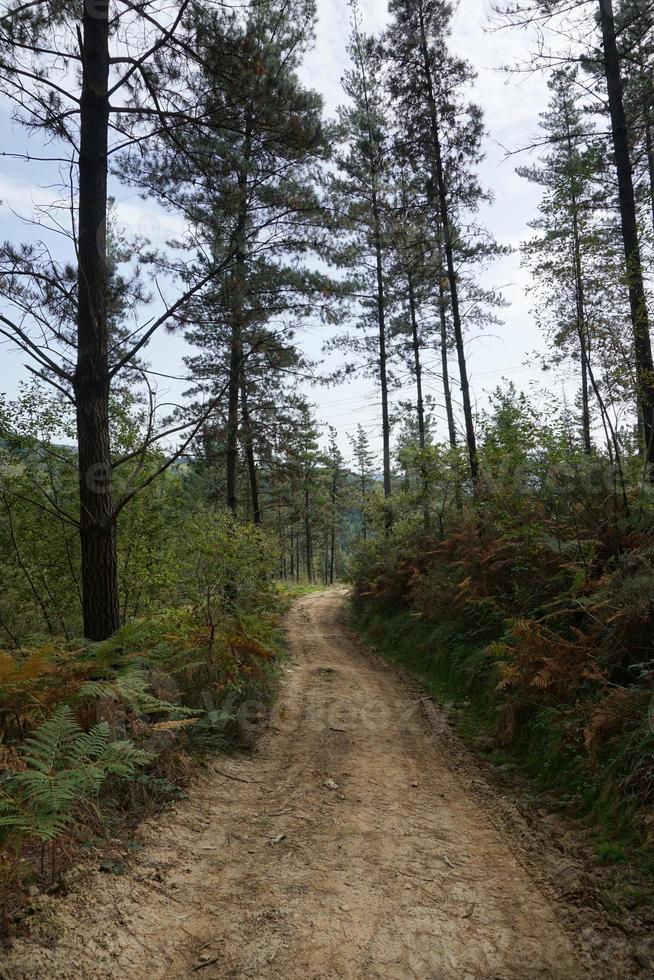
{"x": 511, "y": 107}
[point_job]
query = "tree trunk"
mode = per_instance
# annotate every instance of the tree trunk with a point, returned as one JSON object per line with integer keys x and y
{"x": 649, "y": 143}
{"x": 235, "y": 359}
{"x": 333, "y": 533}
{"x": 248, "y": 442}
{"x": 629, "y": 223}
{"x": 237, "y": 298}
{"x": 307, "y": 532}
{"x": 587, "y": 371}
{"x": 383, "y": 377}
{"x": 417, "y": 370}
{"x": 445, "y": 370}
{"x": 417, "y": 367}
{"x": 444, "y": 215}
{"x": 282, "y": 542}
{"x": 581, "y": 310}
{"x": 100, "y": 605}
{"x": 585, "y": 413}
{"x": 381, "y": 304}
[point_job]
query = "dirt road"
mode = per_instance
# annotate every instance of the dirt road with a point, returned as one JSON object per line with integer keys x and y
{"x": 350, "y": 844}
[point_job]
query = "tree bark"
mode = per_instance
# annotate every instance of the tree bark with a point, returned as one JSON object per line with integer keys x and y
{"x": 237, "y": 298}
{"x": 579, "y": 293}
{"x": 417, "y": 367}
{"x": 585, "y": 413}
{"x": 629, "y": 224}
{"x": 446, "y": 224}
{"x": 100, "y": 604}
{"x": 308, "y": 543}
{"x": 445, "y": 370}
{"x": 248, "y": 442}
{"x": 649, "y": 143}
{"x": 333, "y": 531}
{"x": 417, "y": 370}
{"x": 383, "y": 377}
{"x": 307, "y": 531}
{"x": 235, "y": 359}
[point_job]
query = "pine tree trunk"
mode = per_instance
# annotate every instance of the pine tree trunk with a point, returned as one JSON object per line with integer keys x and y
{"x": 445, "y": 370}
{"x": 333, "y": 531}
{"x": 381, "y": 308}
{"x": 444, "y": 215}
{"x": 235, "y": 359}
{"x": 100, "y": 605}
{"x": 649, "y": 143}
{"x": 588, "y": 375}
{"x": 417, "y": 370}
{"x": 307, "y": 532}
{"x": 648, "y": 114}
{"x": 281, "y": 531}
{"x": 383, "y": 376}
{"x": 237, "y": 296}
{"x": 581, "y": 309}
{"x": 249, "y": 453}
{"x": 417, "y": 367}
{"x": 629, "y": 223}
{"x": 585, "y": 413}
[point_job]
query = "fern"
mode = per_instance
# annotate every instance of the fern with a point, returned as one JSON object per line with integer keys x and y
{"x": 64, "y": 764}
{"x": 131, "y": 687}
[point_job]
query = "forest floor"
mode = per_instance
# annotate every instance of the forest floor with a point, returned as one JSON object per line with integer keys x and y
{"x": 360, "y": 840}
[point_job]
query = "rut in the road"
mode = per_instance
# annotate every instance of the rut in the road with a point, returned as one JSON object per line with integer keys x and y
{"x": 352, "y": 850}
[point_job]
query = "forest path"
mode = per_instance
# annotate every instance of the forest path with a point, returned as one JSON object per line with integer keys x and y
{"x": 350, "y": 844}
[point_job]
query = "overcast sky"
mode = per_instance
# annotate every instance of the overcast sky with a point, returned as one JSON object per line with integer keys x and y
{"x": 511, "y": 108}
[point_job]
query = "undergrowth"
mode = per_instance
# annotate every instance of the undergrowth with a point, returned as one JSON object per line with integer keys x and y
{"x": 96, "y": 736}
{"x": 588, "y": 755}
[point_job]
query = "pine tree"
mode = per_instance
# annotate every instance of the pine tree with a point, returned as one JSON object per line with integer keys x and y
{"x": 251, "y": 190}
{"x": 364, "y": 467}
{"x": 443, "y": 131}
{"x": 635, "y": 37}
{"x": 361, "y": 199}
{"x": 573, "y": 246}
{"x": 608, "y": 60}
{"x": 336, "y": 477}
{"x": 95, "y": 84}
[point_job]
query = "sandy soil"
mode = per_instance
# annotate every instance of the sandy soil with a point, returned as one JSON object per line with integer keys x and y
{"x": 357, "y": 841}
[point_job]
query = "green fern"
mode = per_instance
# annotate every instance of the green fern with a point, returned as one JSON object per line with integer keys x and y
{"x": 131, "y": 687}
{"x": 64, "y": 764}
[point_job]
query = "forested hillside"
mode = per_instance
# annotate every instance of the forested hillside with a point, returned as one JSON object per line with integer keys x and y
{"x": 158, "y": 516}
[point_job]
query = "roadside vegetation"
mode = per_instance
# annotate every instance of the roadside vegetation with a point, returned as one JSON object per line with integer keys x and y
{"x": 529, "y": 615}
